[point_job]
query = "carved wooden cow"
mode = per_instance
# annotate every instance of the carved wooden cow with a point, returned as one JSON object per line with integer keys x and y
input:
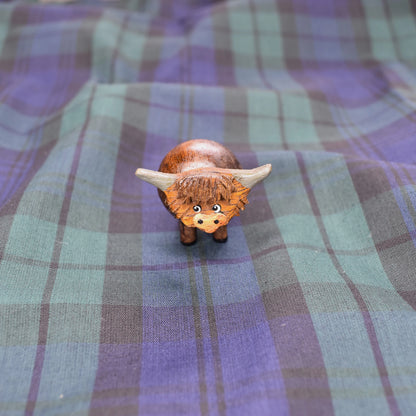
{"x": 202, "y": 184}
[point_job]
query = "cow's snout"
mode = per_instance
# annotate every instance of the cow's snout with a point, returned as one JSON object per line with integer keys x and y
{"x": 209, "y": 222}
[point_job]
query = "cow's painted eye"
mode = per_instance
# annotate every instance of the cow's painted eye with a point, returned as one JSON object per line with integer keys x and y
{"x": 216, "y": 208}
{"x": 197, "y": 208}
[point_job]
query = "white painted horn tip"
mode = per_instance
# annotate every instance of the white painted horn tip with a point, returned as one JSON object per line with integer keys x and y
{"x": 250, "y": 177}
{"x": 159, "y": 179}
{"x": 263, "y": 171}
{"x": 143, "y": 173}
{"x": 139, "y": 172}
{"x": 267, "y": 168}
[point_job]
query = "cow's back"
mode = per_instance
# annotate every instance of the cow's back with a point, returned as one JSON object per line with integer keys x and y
{"x": 198, "y": 153}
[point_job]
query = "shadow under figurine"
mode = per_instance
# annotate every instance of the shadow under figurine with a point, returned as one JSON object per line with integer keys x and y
{"x": 202, "y": 184}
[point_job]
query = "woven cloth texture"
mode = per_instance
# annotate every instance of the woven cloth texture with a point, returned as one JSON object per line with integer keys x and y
{"x": 308, "y": 309}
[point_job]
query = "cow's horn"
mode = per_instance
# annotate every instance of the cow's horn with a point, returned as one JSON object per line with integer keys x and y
{"x": 159, "y": 179}
{"x": 249, "y": 177}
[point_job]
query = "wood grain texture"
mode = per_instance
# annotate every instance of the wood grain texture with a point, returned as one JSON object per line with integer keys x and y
{"x": 205, "y": 194}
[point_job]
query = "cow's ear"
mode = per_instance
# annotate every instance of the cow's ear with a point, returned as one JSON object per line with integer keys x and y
{"x": 159, "y": 179}
{"x": 249, "y": 177}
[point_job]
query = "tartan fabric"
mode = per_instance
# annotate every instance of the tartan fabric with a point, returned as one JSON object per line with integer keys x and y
{"x": 308, "y": 309}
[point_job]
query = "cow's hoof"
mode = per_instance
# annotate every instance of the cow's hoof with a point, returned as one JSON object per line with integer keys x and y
{"x": 221, "y": 240}
{"x": 188, "y": 243}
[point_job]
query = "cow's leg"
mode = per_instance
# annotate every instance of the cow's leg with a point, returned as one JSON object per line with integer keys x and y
{"x": 221, "y": 235}
{"x": 188, "y": 234}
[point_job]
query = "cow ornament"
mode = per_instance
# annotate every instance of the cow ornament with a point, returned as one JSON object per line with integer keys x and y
{"x": 202, "y": 184}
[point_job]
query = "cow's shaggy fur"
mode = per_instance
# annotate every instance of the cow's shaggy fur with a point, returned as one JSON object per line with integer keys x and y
{"x": 207, "y": 190}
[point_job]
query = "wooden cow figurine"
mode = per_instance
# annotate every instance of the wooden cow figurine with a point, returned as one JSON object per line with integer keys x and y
{"x": 202, "y": 184}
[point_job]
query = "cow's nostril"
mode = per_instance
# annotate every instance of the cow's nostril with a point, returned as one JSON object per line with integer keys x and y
{"x": 200, "y": 221}
{"x": 216, "y": 222}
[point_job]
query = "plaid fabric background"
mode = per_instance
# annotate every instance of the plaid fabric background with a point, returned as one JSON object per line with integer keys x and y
{"x": 308, "y": 309}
